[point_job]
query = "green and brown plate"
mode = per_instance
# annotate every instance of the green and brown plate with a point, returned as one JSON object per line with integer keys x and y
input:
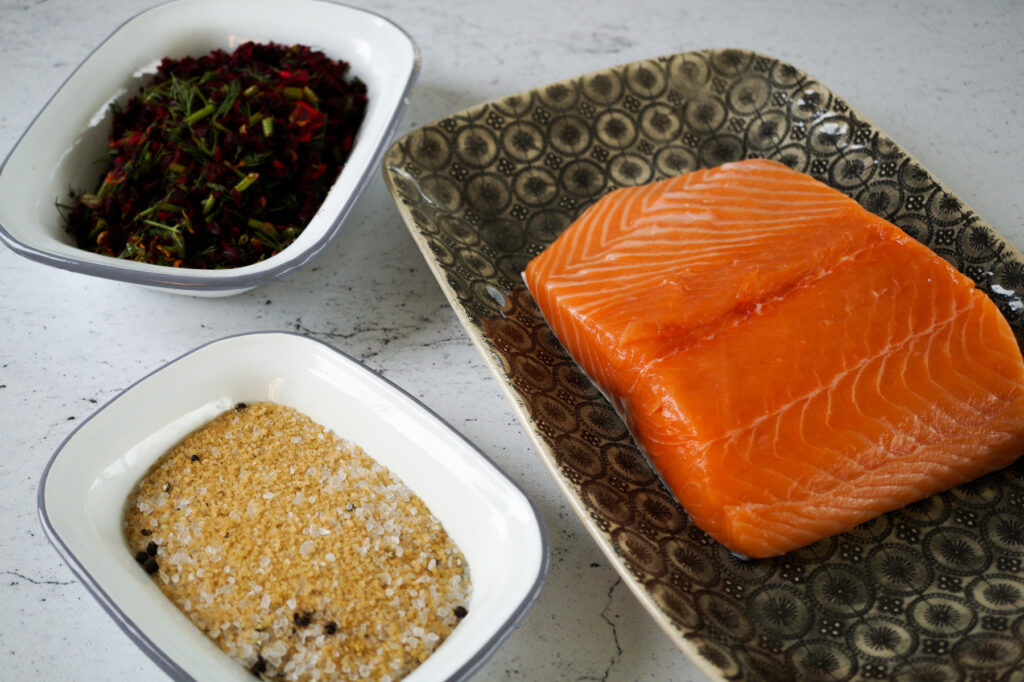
{"x": 932, "y": 592}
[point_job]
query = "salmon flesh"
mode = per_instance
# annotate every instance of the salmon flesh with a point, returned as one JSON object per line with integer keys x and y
{"x": 791, "y": 364}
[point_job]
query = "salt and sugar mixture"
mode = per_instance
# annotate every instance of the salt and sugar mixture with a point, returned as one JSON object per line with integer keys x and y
{"x": 297, "y": 553}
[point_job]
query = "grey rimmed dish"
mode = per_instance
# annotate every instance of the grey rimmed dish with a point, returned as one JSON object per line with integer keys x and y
{"x": 58, "y": 151}
{"x": 87, "y": 481}
{"x": 933, "y": 591}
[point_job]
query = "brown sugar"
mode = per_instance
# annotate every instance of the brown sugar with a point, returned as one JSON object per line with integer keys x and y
{"x": 298, "y": 554}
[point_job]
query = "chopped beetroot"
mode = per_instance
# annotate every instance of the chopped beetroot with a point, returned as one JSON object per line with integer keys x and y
{"x": 222, "y": 160}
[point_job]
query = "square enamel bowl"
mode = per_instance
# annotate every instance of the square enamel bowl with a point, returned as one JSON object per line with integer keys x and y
{"x": 86, "y": 483}
{"x": 59, "y": 149}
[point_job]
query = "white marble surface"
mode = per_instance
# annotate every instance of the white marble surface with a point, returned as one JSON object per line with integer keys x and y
{"x": 944, "y": 79}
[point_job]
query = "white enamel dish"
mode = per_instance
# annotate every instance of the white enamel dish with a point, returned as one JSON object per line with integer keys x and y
{"x": 85, "y": 484}
{"x": 58, "y": 151}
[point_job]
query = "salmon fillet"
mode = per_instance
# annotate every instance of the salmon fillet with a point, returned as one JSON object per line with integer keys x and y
{"x": 792, "y": 364}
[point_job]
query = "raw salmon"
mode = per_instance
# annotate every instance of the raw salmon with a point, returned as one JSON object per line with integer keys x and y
{"x": 792, "y": 364}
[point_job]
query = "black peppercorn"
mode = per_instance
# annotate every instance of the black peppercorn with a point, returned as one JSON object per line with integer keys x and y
{"x": 240, "y": 406}
{"x": 259, "y": 667}
{"x": 141, "y": 556}
{"x": 195, "y": 458}
{"x": 460, "y": 611}
{"x": 151, "y": 566}
{"x": 147, "y": 532}
{"x": 151, "y": 549}
{"x": 330, "y": 628}
{"x": 301, "y": 619}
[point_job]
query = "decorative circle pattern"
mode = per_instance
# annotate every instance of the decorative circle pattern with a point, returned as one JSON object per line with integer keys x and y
{"x": 476, "y": 146}
{"x": 934, "y": 591}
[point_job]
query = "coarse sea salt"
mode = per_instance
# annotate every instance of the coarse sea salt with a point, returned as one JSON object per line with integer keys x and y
{"x": 361, "y": 518}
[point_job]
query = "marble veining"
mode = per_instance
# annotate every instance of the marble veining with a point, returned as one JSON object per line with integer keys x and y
{"x": 943, "y": 79}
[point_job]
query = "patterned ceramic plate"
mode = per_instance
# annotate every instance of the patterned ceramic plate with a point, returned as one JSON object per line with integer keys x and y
{"x": 934, "y": 591}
